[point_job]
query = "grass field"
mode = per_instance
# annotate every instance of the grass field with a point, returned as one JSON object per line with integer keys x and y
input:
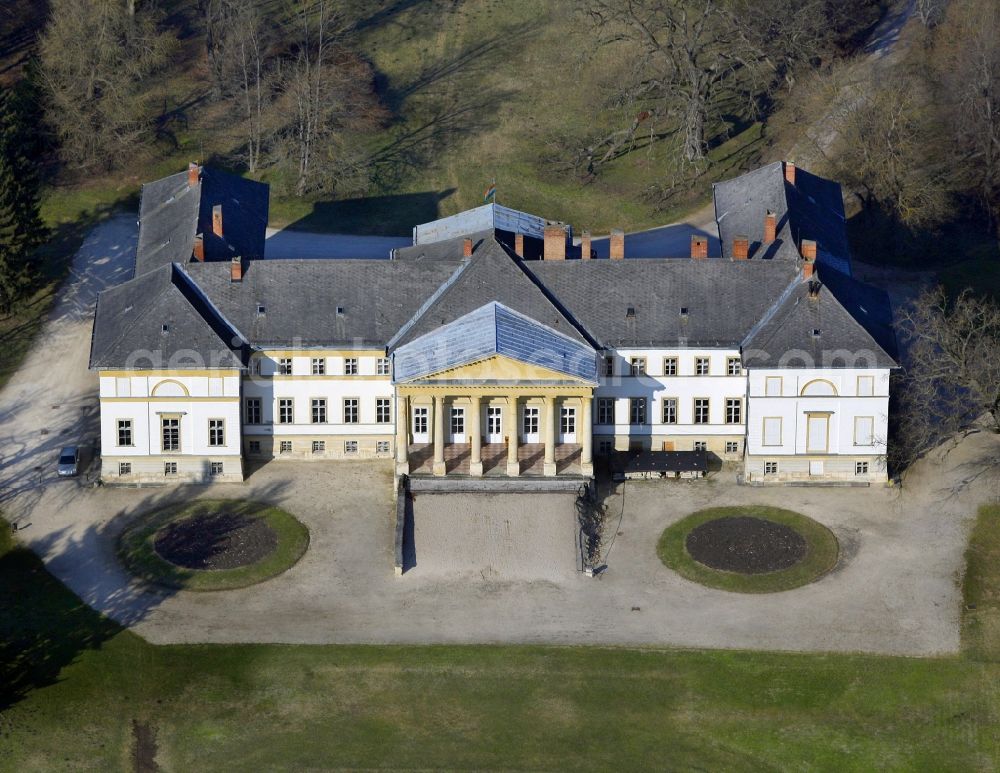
{"x": 820, "y": 558}
{"x": 77, "y": 691}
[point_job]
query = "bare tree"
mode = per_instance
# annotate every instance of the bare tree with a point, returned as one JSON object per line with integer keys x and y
{"x": 94, "y": 56}
{"x": 930, "y": 12}
{"x": 952, "y": 374}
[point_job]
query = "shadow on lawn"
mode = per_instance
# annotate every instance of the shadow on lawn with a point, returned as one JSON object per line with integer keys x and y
{"x": 44, "y": 625}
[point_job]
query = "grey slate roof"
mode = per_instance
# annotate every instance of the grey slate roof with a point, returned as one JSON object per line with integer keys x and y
{"x": 452, "y": 248}
{"x": 723, "y": 298}
{"x": 813, "y": 208}
{"x": 161, "y": 321}
{"x": 171, "y": 213}
{"x": 492, "y": 274}
{"x": 490, "y": 330}
{"x": 813, "y": 332}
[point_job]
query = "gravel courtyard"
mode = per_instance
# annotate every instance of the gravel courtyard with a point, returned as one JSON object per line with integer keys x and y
{"x": 489, "y": 568}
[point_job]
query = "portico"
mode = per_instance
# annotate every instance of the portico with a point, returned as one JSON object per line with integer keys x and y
{"x": 484, "y": 431}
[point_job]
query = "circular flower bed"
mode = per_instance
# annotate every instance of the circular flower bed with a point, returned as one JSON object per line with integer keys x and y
{"x": 213, "y": 544}
{"x": 751, "y": 549}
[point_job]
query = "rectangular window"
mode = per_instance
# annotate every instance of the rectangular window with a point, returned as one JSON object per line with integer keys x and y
{"x": 861, "y": 468}
{"x": 318, "y": 446}
{"x": 350, "y": 410}
{"x": 770, "y": 468}
{"x": 383, "y": 410}
{"x": 866, "y": 386}
{"x": 732, "y": 446}
{"x": 529, "y": 420}
{"x": 216, "y": 432}
{"x": 215, "y": 468}
{"x": 170, "y": 468}
{"x": 255, "y": 366}
{"x": 669, "y": 366}
{"x": 637, "y": 410}
{"x": 319, "y": 410}
{"x": 318, "y": 365}
{"x": 733, "y": 366}
{"x": 382, "y": 366}
{"x": 669, "y": 410}
{"x": 170, "y": 430}
{"x": 772, "y": 386}
{"x": 700, "y": 445}
{"x": 701, "y": 366}
{"x": 285, "y": 446}
{"x": 285, "y": 366}
{"x": 605, "y": 446}
{"x": 350, "y": 366}
{"x": 350, "y": 446}
{"x": 864, "y": 430}
{"x": 381, "y": 446}
{"x": 124, "y": 432}
{"x": 419, "y": 421}
{"x": 124, "y": 468}
{"x": 253, "y": 410}
{"x": 605, "y": 410}
{"x": 734, "y": 410}
{"x": 609, "y": 365}
{"x": 771, "y": 431}
{"x": 254, "y": 446}
{"x": 286, "y": 410}
{"x": 458, "y": 421}
{"x": 637, "y": 365}
{"x": 567, "y": 421}
{"x": 701, "y": 410}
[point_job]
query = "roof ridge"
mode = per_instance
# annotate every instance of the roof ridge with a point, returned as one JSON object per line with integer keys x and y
{"x": 426, "y": 305}
{"x": 140, "y": 316}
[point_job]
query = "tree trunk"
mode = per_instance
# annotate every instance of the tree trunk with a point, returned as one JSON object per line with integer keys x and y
{"x": 694, "y": 130}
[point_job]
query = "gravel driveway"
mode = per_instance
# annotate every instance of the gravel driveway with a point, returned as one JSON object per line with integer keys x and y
{"x": 895, "y": 590}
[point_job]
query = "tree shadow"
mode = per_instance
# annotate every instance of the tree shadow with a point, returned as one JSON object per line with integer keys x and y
{"x": 389, "y": 215}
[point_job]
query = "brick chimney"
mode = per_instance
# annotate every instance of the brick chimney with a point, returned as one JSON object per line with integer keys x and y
{"x": 467, "y": 248}
{"x": 790, "y": 172}
{"x": 555, "y": 243}
{"x": 699, "y": 247}
{"x": 194, "y": 173}
{"x": 236, "y": 270}
{"x": 217, "y": 220}
{"x": 199, "y": 247}
{"x": 519, "y": 245}
{"x": 808, "y": 250}
{"x": 617, "y": 245}
{"x": 741, "y": 247}
{"x": 585, "y": 245}
{"x": 770, "y": 227}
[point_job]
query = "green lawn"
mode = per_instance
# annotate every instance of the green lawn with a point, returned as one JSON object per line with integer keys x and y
{"x": 75, "y": 684}
{"x": 981, "y": 588}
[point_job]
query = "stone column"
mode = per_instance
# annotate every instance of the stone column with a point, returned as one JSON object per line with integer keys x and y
{"x": 549, "y": 467}
{"x": 439, "y": 466}
{"x": 476, "y": 453}
{"x": 402, "y": 436}
{"x": 513, "y": 465}
{"x": 586, "y": 426}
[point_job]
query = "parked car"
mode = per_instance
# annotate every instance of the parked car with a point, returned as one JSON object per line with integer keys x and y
{"x": 69, "y": 461}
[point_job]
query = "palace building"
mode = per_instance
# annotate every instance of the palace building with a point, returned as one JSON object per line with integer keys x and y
{"x": 497, "y": 344}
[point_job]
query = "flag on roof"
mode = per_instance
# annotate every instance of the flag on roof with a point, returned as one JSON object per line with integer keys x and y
{"x": 491, "y": 191}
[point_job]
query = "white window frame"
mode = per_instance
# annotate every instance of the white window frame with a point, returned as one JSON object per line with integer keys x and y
{"x": 700, "y": 362}
{"x": 382, "y": 367}
{"x": 248, "y": 415}
{"x": 283, "y": 404}
{"x": 638, "y": 411}
{"x": 383, "y": 410}
{"x": 695, "y": 408}
{"x": 124, "y": 468}
{"x": 350, "y": 447}
{"x": 216, "y": 433}
{"x": 318, "y": 407}
{"x": 605, "y": 410}
{"x": 285, "y": 366}
{"x": 637, "y": 366}
{"x": 125, "y": 425}
{"x": 317, "y": 366}
{"x": 734, "y": 366}
{"x": 350, "y": 366}
{"x": 670, "y": 402}
{"x": 352, "y": 410}
{"x": 669, "y": 366}
{"x": 737, "y": 404}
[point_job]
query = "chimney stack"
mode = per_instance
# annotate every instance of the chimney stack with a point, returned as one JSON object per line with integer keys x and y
{"x": 555, "y": 243}
{"x": 699, "y": 247}
{"x": 585, "y": 245}
{"x": 467, "y": 248}
{"x": 236, "y": 270}
{"x": 217, "y": 220}
{"x": 770, "y": 227}
{"x": 808, "y": 250}
{"x": 790, "y": 172}
{"x": 199, "y": 247}
{"x": 519, "y": 244}
{"x": 617, "y": 245}
{"x": 741, "y": 248}
{"x": 194, "y": 172}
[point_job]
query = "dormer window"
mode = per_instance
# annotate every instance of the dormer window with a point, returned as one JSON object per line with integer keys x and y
{"x": 340, "y": 311}
{"x": 164, "y": 328}
{"x": 815, "y": 332}
{"x": 630, "y": 312}
{"x": 260, "y": 309}
{"x": 684, "y": 311}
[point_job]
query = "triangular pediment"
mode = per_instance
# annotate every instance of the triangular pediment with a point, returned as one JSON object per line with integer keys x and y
{"x": 502, "y": 369}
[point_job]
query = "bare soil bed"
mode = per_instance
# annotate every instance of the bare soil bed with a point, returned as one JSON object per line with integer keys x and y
{"x": 223, "y": 540}
{"x": 746, "y": 545}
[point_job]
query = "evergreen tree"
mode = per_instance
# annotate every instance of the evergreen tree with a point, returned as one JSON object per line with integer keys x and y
{"x": 21, "y": 227}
